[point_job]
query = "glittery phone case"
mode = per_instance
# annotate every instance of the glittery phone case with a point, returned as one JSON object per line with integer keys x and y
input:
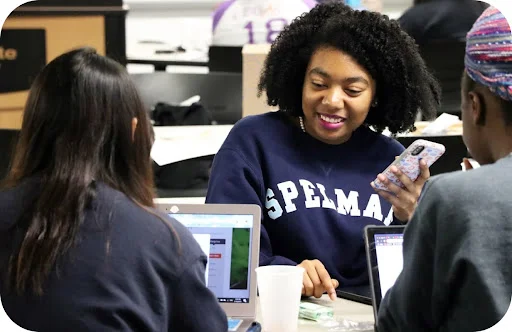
{"x": 408, "y": 162}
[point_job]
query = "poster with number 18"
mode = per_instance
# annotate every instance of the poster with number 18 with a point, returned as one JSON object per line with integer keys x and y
{"x": 240, "y": 22}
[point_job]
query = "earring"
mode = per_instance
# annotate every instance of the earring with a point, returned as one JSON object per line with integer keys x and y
{"x": 375, "y": 103}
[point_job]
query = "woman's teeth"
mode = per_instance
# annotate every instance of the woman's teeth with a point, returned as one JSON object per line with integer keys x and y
{"x": 331, "y": 120}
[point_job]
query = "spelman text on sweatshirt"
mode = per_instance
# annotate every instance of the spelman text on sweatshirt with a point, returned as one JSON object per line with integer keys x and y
{"x": 316, "y": 198}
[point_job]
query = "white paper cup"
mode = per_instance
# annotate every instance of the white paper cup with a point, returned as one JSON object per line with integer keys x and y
{"x": 280, "y": 288}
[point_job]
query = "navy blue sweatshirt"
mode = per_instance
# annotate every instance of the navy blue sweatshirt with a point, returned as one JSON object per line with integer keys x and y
{"x": 316, "y": 198}
{"x": 128, "y": 272}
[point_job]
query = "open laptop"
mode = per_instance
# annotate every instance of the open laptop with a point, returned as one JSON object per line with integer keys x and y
{"x": 229, "y": 234}
{"x": 385, "y": 260}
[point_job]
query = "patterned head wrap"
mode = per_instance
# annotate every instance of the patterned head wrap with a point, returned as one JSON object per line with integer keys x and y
{"x": 488, "y": 57}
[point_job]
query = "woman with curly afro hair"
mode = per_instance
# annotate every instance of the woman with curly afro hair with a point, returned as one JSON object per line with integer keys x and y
{"x": 339, "y": 77}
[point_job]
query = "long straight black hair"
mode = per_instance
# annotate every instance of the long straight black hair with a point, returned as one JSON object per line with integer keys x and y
{"x": 76, "y": 130}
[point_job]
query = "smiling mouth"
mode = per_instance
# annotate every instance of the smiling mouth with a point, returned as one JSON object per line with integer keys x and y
{"x": 332, "y": 118}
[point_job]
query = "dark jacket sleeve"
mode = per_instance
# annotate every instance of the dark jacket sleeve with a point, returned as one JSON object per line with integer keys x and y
{"x": 197, "y": 308}
{"x": 234, "y": 181}
{"x": 413, "y": 23}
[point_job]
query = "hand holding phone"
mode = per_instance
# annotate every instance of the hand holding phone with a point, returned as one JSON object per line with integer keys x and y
{"x": 409, "y": 162}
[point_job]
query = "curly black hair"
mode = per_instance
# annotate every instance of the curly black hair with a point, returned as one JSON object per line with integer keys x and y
{"x": 404, "y": 83}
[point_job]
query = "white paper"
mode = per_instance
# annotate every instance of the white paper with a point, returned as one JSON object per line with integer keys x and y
{"x": 441, "y": 125}
{"x": 204, "y": 243}
{"x": 177, "y": 143}
{"x": 474, "y": 164}
{"x": 191, "y": 100}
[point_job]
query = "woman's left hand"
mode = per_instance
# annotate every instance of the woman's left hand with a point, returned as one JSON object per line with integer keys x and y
{"x": 404, "y": 200}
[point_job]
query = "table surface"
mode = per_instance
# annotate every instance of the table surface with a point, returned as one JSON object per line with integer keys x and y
{"x": 343, "y": 310}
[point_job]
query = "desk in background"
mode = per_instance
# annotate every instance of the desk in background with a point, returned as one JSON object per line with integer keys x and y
{"x": 148, "y": 56}
{"x": 160, "y": 55}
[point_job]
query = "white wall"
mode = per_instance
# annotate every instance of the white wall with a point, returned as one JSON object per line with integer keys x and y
{"x": 184, "y": 23}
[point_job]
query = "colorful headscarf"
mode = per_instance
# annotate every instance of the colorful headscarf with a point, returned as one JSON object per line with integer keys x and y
{"x": 488, "y": 57}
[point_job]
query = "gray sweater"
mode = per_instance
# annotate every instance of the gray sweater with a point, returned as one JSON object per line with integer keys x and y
{"x": 457, "y": 272}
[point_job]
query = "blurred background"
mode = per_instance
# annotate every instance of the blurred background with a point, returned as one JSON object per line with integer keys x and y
{"x": 196, "y": 64}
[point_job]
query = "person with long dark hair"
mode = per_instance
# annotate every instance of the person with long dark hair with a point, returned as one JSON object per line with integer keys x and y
{"x": 81, "y": 248}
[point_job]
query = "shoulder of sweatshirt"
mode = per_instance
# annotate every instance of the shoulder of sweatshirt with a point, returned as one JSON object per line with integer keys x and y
{"x": 459, "y": 200}
{"x": 167, "y": 241}
{"x": 253, "y": 130}
{"x": 477, "y": 185}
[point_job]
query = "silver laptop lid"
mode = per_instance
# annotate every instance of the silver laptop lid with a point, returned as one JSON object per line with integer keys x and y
{"x": 230, "y": 236}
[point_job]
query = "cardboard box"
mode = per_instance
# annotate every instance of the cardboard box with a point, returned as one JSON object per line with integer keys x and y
{"x": 63, "y": 33}
{"x": 253, "y": 59}
{"x": 11, "y": 118}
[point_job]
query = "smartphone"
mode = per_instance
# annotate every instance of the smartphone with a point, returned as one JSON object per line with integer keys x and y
{"x": 409, "y": 161}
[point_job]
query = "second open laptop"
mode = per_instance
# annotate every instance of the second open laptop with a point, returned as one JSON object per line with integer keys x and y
{"x": 385, "y": 260}
{"x": 229, "y": 234}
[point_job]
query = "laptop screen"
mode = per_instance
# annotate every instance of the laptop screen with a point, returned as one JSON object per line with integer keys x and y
{"x": 388, "y": 248}
{"x": 226, "y": 241}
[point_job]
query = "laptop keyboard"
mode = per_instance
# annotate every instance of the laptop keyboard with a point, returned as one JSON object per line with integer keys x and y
{"x": 234, "y": 324}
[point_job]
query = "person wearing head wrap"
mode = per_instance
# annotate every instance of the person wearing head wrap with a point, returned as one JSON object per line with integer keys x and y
{"x": 487, "y": 88}
{"x": 457, "y": 266}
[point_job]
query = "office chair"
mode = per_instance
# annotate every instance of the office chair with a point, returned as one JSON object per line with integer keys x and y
{"x": 225, "y": 59}
{"x": 445, "y": 58}
{"x": 8, "y": 140}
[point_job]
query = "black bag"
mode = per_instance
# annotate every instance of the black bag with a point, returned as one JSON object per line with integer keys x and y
{"x": 172, "y": 115}
{"x": 186, "y": 174}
